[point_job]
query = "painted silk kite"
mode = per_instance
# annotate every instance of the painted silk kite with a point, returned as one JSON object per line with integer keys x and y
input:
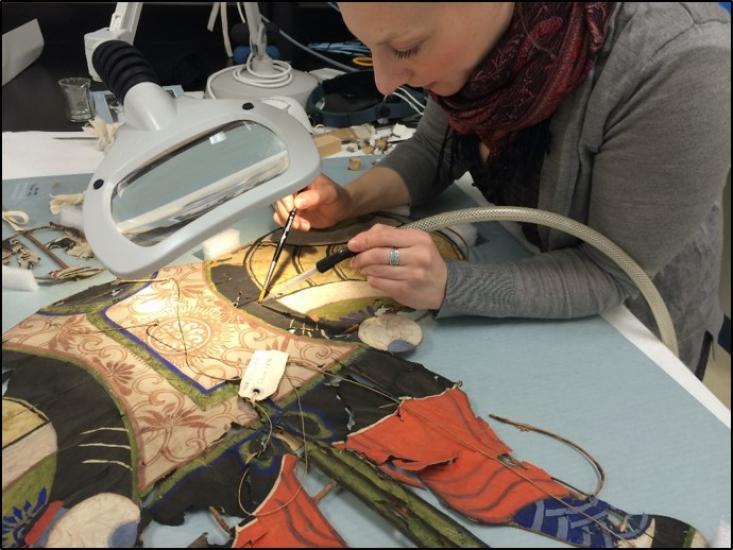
{"x": 122, "y": 406}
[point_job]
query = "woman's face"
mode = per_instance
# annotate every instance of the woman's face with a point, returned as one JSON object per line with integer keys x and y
{"x": 431, "y": 45}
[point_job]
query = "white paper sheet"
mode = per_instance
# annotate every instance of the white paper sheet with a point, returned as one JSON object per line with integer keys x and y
{"x": 33, "y": 154}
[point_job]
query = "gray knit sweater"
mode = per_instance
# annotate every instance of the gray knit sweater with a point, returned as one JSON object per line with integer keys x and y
{"x": 639, "y": 152}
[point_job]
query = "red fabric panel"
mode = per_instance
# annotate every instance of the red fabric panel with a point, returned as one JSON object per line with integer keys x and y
{"x": 486, "y": 490}
{"x": 287, "y": 522}
{"x": 455, "y": 454}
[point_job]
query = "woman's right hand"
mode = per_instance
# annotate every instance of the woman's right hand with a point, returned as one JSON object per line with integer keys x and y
{"x": 322, "y": 204}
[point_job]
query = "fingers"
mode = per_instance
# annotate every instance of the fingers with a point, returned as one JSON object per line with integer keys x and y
{"x": 392, "y": 272}
{"x": 299, "y": 223}
{"x": 388, "y": 286}
{"x": 288, "y": 202}
{"x": 307, "y": 199}
{"x": 379, "y": 257}
{"x": 282, "y": 210}
{"x": 321, "y": 191}
{"x": 387, "y": 236}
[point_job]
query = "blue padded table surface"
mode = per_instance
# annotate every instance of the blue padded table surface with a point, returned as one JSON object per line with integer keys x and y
{"x": 662, "y": 451}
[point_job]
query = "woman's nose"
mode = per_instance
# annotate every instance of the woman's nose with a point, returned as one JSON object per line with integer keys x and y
{"x": 388, "y": 76}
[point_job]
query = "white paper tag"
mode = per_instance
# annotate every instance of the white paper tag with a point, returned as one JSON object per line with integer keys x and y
{"x": 263, "y": 374}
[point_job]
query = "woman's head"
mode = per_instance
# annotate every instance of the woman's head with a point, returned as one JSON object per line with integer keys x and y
{"x": 434, "y": 45}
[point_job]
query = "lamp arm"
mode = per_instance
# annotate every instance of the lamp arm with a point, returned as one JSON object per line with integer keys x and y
{"x": 122, "y": 26}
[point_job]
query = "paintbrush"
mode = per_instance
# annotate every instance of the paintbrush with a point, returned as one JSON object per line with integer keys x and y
{"x": 276, "y": 256}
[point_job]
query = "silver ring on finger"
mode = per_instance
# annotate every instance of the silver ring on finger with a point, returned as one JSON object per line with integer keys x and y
{"x": 394, "y": 256}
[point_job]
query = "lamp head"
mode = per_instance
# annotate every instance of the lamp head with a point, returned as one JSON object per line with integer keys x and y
{"x": 182, "y": 169}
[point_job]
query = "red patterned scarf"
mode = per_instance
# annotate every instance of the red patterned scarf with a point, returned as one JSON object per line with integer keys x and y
{"x": 546, "y": 52}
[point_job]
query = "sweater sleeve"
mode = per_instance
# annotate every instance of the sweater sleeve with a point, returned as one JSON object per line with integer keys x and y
{"x": 660, "y": 169}
{"x": 417, "y": 159}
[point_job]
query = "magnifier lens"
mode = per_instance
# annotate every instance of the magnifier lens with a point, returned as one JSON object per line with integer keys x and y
{"x": 189, "y": 181}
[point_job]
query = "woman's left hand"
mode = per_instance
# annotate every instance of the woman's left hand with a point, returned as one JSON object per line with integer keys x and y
{"x": 417, "y": 274}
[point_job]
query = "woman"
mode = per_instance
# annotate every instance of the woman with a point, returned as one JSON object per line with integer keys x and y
{"x": 613, "y": 114}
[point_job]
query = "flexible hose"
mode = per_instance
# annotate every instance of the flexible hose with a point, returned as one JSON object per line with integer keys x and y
{"x": 576, "y": 229}
{"x": 122, "y": 67}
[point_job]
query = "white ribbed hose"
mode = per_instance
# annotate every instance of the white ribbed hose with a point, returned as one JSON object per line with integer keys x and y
{"x": 576, "y": 229}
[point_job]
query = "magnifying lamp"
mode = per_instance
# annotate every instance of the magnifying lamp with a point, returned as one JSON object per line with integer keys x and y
{"x": 182, "y": 169}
